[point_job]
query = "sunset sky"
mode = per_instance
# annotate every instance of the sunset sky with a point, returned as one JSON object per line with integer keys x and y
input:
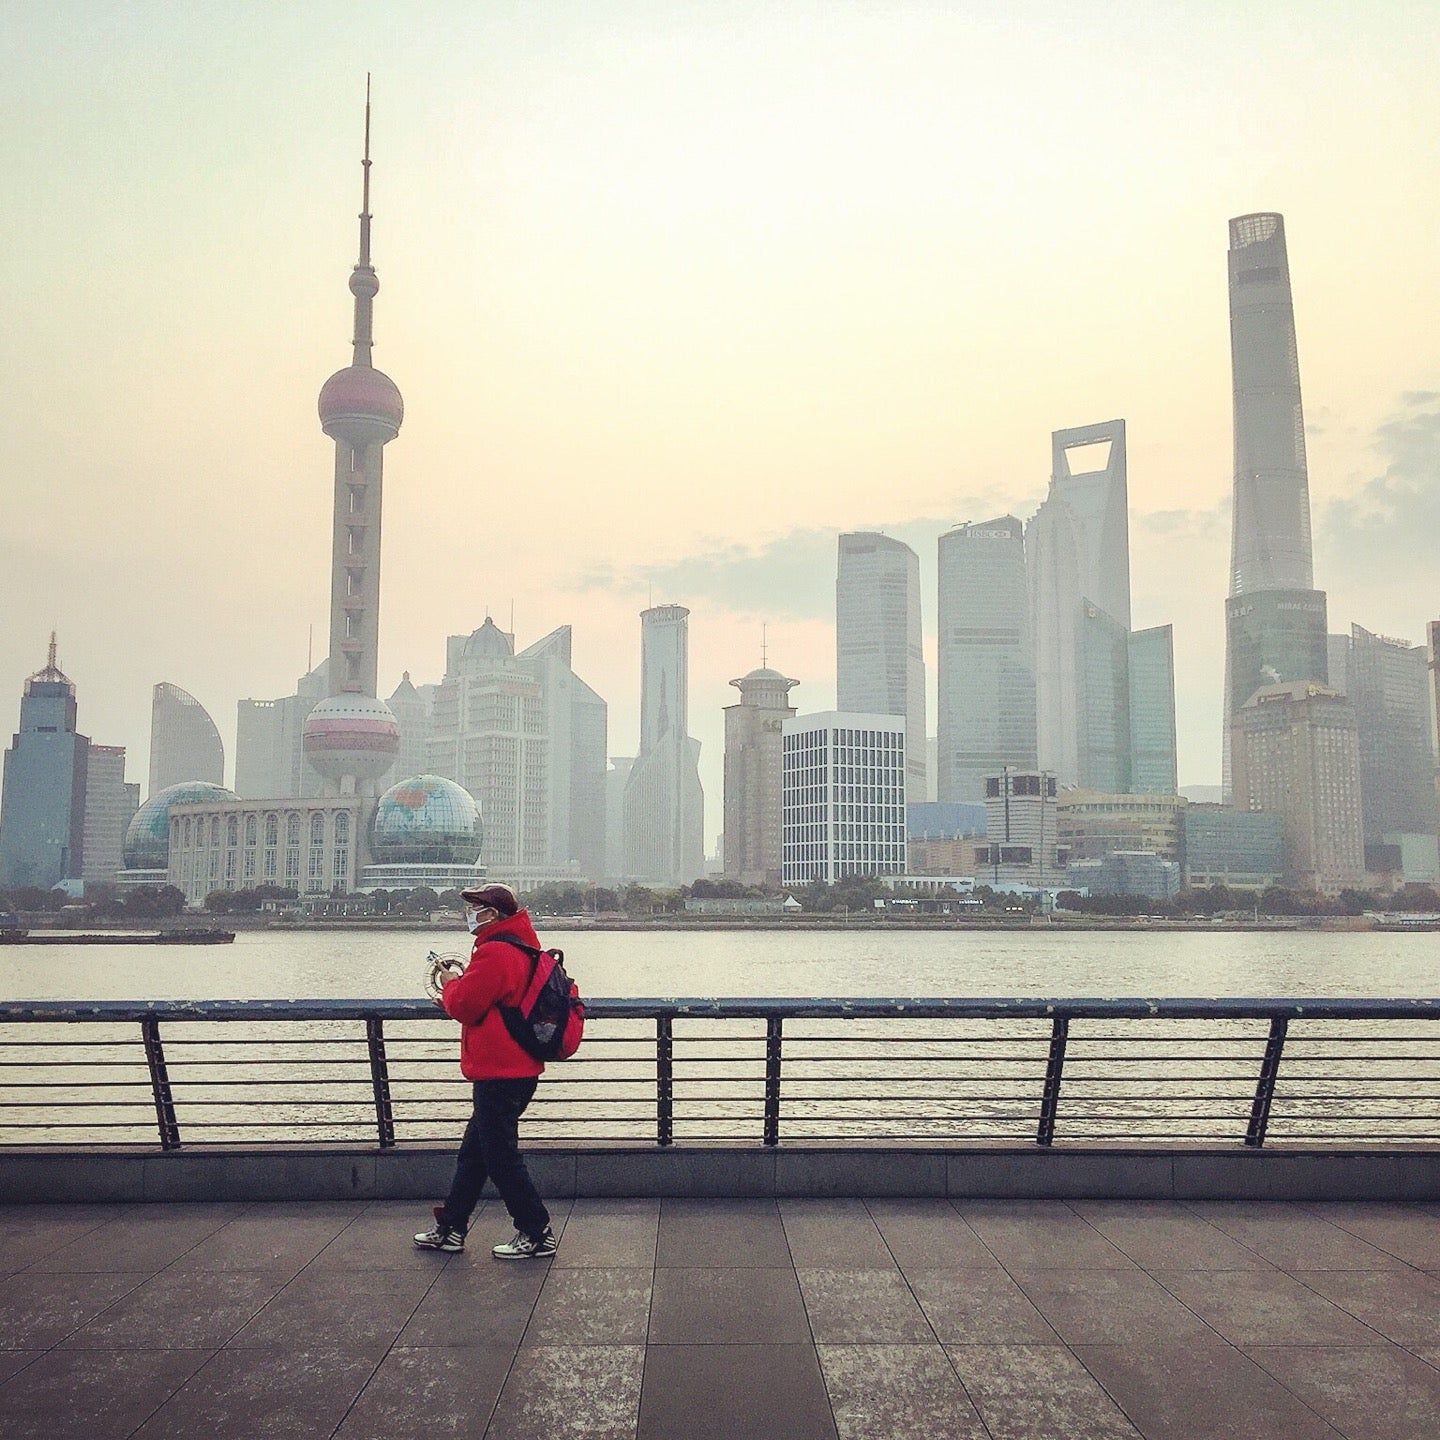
{"x": 674, "y": 293}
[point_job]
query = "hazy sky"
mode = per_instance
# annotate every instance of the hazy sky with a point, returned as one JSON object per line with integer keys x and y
{"x": 675, "y": 292}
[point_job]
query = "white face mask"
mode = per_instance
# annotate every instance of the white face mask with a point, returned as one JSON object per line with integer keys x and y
{"x": 476, "y": 920}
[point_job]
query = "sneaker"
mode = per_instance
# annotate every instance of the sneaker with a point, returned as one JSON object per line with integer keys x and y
{"x": 442, "y": 1237}
{"x": 526, "y": 1247}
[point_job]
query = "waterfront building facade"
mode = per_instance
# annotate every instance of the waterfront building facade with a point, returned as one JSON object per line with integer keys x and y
{"x": 1295, "y": 752}
{"x": 1241, "y": 849}
{"x": 843, "y": 796}
{"x": 109, "y": 804}
{"x": 879, "y": 654}
{"x": 146, "y": 849}
{"x": 664, "y": 805}
{"x": 1274, "y": 619}
{"x": 754, "y": 768}
{"x": 986, "y": 673}
{"x": 1022, "y": 849}
{"x": 1094, "y": 825}
{"x": 184, "y": 743}
{"x": 1127, "y": 872}
{"x": 42, "y": 796}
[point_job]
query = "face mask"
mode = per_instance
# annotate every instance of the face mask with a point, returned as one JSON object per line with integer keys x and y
{"x": 476, "y": 920}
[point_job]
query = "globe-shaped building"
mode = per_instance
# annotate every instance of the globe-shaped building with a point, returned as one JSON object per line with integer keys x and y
{"x": 147, "y": 840}
{"x": 351, "y": 735}
{"x": 426, "y": 820}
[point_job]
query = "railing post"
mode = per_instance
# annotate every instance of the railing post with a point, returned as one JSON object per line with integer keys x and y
{"x": 380, "y": 1081}
{"x": 772, "y": 1080}
{"x": 664, "y": 1080}
{"x": 1054, "y": 1069}
{"x": 160, "y": 1084}
{"x": 1265, "y": 1086}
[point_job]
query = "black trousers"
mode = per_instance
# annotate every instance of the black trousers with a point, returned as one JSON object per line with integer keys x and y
{"x": 491, "y": 1150}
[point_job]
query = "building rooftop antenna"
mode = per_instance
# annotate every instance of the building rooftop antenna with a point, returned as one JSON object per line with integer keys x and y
{"x": 764, "y": 644}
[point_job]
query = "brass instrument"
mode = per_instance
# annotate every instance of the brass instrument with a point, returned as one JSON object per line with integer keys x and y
{"x": 440, "y": 969}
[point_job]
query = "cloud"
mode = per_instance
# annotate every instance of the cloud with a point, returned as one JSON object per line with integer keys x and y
{"x": 1378, "y": 544}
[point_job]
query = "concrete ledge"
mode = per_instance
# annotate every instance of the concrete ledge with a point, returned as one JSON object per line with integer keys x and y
{"x": 341, "y": 1172}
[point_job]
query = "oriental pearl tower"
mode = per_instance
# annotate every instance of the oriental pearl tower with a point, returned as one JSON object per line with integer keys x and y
{"x": 352, "y": 739}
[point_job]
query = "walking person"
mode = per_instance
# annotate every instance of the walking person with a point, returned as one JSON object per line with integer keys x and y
{"x": 504, "y": 1077}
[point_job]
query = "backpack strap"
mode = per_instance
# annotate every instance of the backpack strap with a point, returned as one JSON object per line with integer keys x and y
{"x": 536, "y": 956}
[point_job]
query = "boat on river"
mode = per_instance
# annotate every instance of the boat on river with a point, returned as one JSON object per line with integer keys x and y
{"x": 118, "y": 937}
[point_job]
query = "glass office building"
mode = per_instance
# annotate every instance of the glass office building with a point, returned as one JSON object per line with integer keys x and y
{"x": 1151, "y": 659}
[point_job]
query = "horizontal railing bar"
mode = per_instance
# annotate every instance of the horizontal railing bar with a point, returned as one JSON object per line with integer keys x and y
{"x": 991, "y": 1008}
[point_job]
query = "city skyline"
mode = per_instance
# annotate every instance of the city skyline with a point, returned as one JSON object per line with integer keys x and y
{"x": 810, "y": 457}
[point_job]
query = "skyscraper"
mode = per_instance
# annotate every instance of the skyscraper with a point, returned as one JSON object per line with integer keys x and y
{"x": 1153, "y": 761}
{"x": 1390, "y": 689}
{"x": 1275, "y": 630}
{"x": 577, "y": 724}
{"x": 42, "y": 800}
{"x": 109, "y": 804}
{"x": 879, "y": 659}
{"x": 269, "y": 742}
{"x": 184, "y": 743}
{"x": 1077, "y": 549}
{"x": 1296, "y": 753}
{"x": 986, "y": 673}
{"x": 413, "y": 707}
{"x": 664, "y": 805}
{"x": 754, "y": 763}
{"x": 351, "y": 739}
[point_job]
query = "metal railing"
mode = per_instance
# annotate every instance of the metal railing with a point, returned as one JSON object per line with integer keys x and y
{"x": 1041, "y": 1071}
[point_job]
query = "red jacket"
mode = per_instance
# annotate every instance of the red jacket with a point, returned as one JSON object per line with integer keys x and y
{"x": 497, "y": 975}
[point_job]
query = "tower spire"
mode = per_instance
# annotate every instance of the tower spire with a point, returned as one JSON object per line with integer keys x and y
{"x": 50, "y": 663}
{"x": 364, "y": 284}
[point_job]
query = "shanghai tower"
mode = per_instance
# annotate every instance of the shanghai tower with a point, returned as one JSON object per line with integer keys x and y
{"x": 1275, "y": 622}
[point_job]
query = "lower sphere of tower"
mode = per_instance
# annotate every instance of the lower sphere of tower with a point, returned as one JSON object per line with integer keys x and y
{"x": 353, "y": 736}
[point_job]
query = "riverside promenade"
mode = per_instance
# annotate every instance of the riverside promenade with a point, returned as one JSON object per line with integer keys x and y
{"x": 685, "y": 1319}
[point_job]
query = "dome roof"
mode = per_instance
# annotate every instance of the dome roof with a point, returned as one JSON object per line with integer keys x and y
{"x": 354, "y": 735}
{"x": 147, "y": 840}
{"x": 489, "y": 642}
{"x": 426, "y": 818}
{"x": 362, "y": 404}
{"x": 764, "y": 678}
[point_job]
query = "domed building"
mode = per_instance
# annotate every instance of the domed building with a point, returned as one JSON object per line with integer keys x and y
{"x": 425, "y": 831}
{"x": 147, "y": 839}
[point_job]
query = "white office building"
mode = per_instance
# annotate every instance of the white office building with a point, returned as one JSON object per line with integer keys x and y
{"x": 843, "y": 796}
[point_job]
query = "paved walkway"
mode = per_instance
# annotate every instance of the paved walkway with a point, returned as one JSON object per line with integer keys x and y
{"x": 683, "y": 1320}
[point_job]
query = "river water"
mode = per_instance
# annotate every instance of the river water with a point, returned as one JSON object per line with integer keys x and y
{"x": 897, "y": 1080}
{"x": 341, "y": 964}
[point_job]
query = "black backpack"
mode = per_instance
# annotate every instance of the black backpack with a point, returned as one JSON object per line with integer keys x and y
{"x": 549, "y": 1022}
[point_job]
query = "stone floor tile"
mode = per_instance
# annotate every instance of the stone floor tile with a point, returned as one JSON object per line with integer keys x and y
{"x": 1290, "y": 1237}
{"x": 1200, "y": 1391}
{"x": 29, "y": 1232}
{"x": 589, "y": 1305}
{"x": 1167, "y": 1236}
{"x": 1404, "y": 1306}
{"x": 611, "y": 1234}
{"x": 1109, "y": 1307}
{"x": 1259, "y": 1307}
{"x": 897, "y": 1392}
{"x": 835, "y": 1234}
{"x": 95, "y": 1395}
{"x": 321, "y": 1309}
{"x": 862, "y": 1307}
{"x": 277, "y": 1394}
{"x": 1408, "y": 1232}
{"x": 38, "y": 1311}
{"x": 979, "y": 1307}
{"x": 1040, "y": 1234}
{"x": 481, "y": 1307}
{"x": 734, "y": 1392}
{"x": 929, "y": 1234}
{"x": 12, "y": 1362}
{"x": 268, "y": 1240}
{"x": 727, "y": 1307}
{"x": 1037, "y": 1392}
{"x": 195, "y": 1310}
{"x": 147, "y": 1237}
{"x": 570, "y": 1392}
{"x": 434, "y": 1394}
{"x": 381, "y": 1237}
{"x": 1367, "y": 1394}
{"x": 728, "y": 1234}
